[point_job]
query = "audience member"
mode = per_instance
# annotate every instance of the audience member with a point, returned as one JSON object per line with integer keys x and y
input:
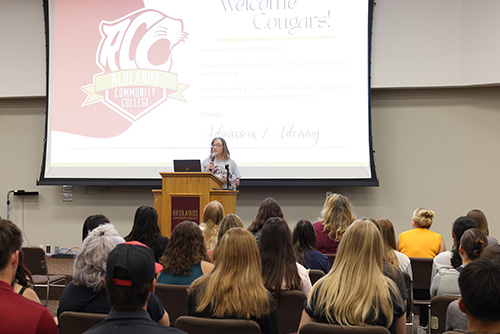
{"x": 391, "y": 254}
{"x": 212, "y": 216}
{"x": 355, "y": 292}
{"x": 304, "y": 245}
{"x": 482, "y": 224}
{"x": 23, "y": 283}
{"x": 130, "y": 279}
{"x": 421, "y": 241}
{"x": 480, "y": 299}
{"x": 86, "y": 293}
{"x": 92, "y": 222}
{"x": 147, "y": 231}
{"x": 336, "y": 216}
{"x": 19, "y": 314}
{"x": 451, "y": 259}
{"x": 227, "y": 223}
{"x": 471, "y": 246}
{"x": 234, "y": 289}
{"x": 280, "y": 271}
{"x": 185, "y": 258}
{"x": 456, "y": 320}
{"x": 268, "y": 208}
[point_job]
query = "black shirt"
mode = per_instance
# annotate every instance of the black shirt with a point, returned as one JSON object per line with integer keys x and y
{"x": 125, "y": 322}
{"x": 79, "y": 298}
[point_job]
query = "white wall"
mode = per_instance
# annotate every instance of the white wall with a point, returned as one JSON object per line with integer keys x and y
{"x": 434, "y": 148}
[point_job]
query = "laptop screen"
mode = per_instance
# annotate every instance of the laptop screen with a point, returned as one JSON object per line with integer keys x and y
{"x": 187, "y": 166}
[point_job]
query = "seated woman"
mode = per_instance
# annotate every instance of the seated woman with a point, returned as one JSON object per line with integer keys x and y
{"x": 304, "y": 245}
{"x": 280, "y": 271}
{"x": 227, "y": 223}
{"x": 391, "y": 255}
{"x": 23, "y": 282}
{"x": 445, "y": 282}
{"x": 355, "y": 292}
{"x": 268, "y": 208}
{"x": 421, "y": 241}
{"x": 147, "y": 231}
{"x": 86, "y": 292}
{"x": 234, "y": 289}
{"x": 185, "y": 258}
{"x": 212, "y": 216}
{"x": 92, "y": 222}
{"x": 336, "y": 215}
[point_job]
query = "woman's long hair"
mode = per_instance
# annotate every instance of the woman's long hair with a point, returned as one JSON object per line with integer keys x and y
{"x": 337, "y": 215}
{"x": 460, "y": 225}
{"x": 480, "y": 218}
{"x": 146, "y": 230}
{"x": 278, "y": 258}
{"x": 23, "y": 274}
{"x": 303, "y": 239}
{"x": 268, "y": 208}
{"x": 212, "y": 216}
{"x": 89, "y": 268}
{"x": 185, "y": 249}
{"x": 234, "y": 288}
{"x": 227, "y": 223}
{"x": 225, "y": 150}
{"x": 389, "y": 238}
{"x": 355, "y": 291}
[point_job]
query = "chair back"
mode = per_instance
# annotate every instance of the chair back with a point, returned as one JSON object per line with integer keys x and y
{"x": 321, "y": 328}
{"x": 196, "y": 325}
{"x": 315, "y": 275}
{"x": 174, "y": 299}
{"x": 78, "y": 322}
{"x": 421, "y": 268}
{"x": 331, "y": 258}
{"x": 439, "y": 306}
{"x": 290, "y": 306}
{"x": 409, "y": 302}
{"x": 34, "y": 259}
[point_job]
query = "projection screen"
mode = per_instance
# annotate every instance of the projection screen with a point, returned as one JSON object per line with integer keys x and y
{"x": 133, "y": 85}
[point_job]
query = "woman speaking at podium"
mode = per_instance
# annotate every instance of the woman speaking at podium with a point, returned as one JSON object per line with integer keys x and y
{"x": 218, "y": 159}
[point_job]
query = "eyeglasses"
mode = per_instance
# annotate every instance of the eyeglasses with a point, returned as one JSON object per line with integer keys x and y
{"x": 217, "y": 145}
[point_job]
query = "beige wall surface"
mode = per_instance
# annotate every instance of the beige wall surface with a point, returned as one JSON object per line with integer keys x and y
{"x": 434, "y": 148}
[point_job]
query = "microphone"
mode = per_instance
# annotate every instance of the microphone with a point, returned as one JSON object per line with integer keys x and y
{"x": 212, "y": 159}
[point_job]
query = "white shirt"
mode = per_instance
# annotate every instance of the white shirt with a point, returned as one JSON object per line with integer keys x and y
{"x": 404, "y": 263}
{"x": 442, "y": 260}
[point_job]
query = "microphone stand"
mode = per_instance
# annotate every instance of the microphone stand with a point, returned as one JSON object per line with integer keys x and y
{"x": 228, "y": 181}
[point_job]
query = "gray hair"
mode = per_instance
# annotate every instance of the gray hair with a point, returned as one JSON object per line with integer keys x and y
{"x": 90, "y": 264}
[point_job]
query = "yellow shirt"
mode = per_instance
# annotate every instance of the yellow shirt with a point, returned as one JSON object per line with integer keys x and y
{"x": 420, "y": 242}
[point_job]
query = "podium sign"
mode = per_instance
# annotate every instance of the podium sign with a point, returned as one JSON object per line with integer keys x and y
{"x": 185, "y": 208}
{"x": 184, "y": 195}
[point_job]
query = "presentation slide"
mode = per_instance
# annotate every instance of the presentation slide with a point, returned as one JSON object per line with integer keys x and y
{"x": 133, "y": 85}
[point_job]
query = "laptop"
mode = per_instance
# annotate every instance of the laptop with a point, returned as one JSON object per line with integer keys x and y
{"x": 187, "y": 166}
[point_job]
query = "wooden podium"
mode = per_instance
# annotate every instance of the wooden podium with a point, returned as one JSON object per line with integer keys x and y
{"x": 184, "y": 195}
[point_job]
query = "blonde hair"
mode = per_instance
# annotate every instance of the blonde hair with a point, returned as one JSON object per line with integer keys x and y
{"x": 355, "y": 291}
{"x": 423, "y": 217}
{"x": 234, "y": 288}
{"x": 228, "y": 222}
{"x": 212, "y": 216}
{"x": 337, "y": 216}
